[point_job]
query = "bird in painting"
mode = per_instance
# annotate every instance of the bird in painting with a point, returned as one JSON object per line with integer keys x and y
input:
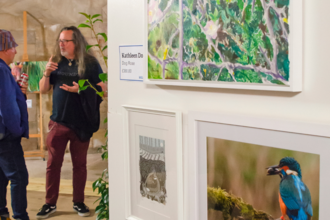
{"x": 294, "y": 196}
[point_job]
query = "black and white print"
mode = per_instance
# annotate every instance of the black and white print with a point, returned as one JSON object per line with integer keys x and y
{"x": 152, "y": 169}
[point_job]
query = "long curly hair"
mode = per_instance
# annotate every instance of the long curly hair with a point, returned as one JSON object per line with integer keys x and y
{"x": 81, "y": 55}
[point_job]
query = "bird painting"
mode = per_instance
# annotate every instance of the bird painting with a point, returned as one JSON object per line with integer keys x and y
{"x": 294, "y": 196}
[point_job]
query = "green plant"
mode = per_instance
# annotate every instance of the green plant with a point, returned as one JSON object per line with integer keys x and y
{"x": 91, "y": 19}
{"x": 101, "y": 184}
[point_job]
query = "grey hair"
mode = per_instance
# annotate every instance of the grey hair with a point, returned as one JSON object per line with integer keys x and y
{"x": 81, "y": 55}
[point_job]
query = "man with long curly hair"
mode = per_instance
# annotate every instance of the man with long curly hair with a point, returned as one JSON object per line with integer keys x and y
{"x": 75, "y": 116}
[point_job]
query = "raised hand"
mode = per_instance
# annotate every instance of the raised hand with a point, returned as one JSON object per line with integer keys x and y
{"x": 50, "y": 67}
{"x": 16, "y": 72}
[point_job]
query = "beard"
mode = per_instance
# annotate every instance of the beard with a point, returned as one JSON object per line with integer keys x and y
{"x": 64, "y": 53}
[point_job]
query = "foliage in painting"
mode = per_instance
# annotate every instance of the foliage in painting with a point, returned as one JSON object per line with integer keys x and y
{"x": 219, "y": 40}
{"x": 35, "y": 71}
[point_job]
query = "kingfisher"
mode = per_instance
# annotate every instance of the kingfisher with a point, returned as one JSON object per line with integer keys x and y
{"x": 294, "y": 196}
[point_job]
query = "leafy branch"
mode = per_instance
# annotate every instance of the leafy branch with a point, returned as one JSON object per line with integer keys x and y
{"x": 83, "y": 87}
{"x": 101, "y": 184}
{"x": 91, "y": 20}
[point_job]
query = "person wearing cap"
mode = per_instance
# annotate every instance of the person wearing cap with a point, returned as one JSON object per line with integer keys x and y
{"x": 13, "y": 126}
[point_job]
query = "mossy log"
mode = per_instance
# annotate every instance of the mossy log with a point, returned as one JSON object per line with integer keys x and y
{"x": 232, "y": 207}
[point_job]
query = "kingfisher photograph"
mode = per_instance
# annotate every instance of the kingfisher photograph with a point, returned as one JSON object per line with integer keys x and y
{"x": 247, "y": 181}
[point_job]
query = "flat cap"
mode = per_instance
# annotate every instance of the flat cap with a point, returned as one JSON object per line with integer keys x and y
{"x": 7, "y": 40}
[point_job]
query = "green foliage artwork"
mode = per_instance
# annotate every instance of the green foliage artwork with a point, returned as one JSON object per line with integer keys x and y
{"x": 243, "y": 41}
{"x": 35, "y": 70}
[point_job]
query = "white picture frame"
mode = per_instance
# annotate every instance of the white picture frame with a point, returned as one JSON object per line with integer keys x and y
{"x": 163, "y": 125}
{"x": 265, "y": 131}
{"x": 295, "y": 57}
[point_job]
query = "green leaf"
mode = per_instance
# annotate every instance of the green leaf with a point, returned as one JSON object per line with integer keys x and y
{"x": 86, "y": 15}
{"x": 100, "y": 94}
{"x": 105, "y": 57}
{"x": 84, "y": 25}
{"x": 94, "y": 185}
{"x": 103, "y": 77}
{"x": 87, "y": 21}
{"x": 105, "y": 155}
{"x": 96, "y": 15}
{"x": 97, "y": 200}
{"x": 82, "y": 88}
{"x": 99, "y": 208}
{"x": 90, "y": 46}
{"x": 248, "y": 11}
{"x": 105, "y": 120}
{"x": 104, "y": 36}
{"x": 106, "y": 197}
{"x": 97, "y": 20}
{"x": 106, "y": 133}
{"x": 99, "y": 217}
{"x": 106, "y": 46}
{"x": 82, "y": 82}
{"x": 240, "y": 4}
{"x": 104, "y": 172}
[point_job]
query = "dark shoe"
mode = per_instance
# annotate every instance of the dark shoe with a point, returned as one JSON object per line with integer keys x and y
{"x": 45, "y": 211}
{"x": 81, "y": 208}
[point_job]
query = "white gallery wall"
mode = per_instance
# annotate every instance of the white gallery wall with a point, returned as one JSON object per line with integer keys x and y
{"x": 126, "y": 27}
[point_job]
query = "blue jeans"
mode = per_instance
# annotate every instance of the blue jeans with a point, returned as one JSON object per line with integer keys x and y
{"x": 13, "y": 168}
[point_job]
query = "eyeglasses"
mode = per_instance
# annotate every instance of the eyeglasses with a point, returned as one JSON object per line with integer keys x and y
{"x": 63, "y": 41}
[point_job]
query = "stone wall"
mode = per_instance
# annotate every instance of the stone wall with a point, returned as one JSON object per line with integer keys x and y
{"x": 45, "y": 19}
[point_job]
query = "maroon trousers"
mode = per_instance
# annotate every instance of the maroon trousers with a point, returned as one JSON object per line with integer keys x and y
{"x": 57, "y": 140}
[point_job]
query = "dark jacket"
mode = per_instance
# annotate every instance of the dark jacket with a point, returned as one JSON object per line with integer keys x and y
{"x": 13, "y": 109}
{"x": 90, "y": 103}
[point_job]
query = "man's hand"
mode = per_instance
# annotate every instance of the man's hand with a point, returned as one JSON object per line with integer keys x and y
{"x": 50, "y": 67}
{"x": 16, "y": 72}
{"x": 24, "y": 88}
{"x": 104, "y": 89}
{"x": 74, "y": 88}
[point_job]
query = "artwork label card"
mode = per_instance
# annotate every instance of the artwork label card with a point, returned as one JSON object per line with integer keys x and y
{"x": 131, "y": 62}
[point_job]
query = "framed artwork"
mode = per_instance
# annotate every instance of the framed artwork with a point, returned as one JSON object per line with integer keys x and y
{"x": 243, "y": 167}
{"x": 153, "y": 165}
{"x": 238, "y": 44}
{"x": 35, "y": 70}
